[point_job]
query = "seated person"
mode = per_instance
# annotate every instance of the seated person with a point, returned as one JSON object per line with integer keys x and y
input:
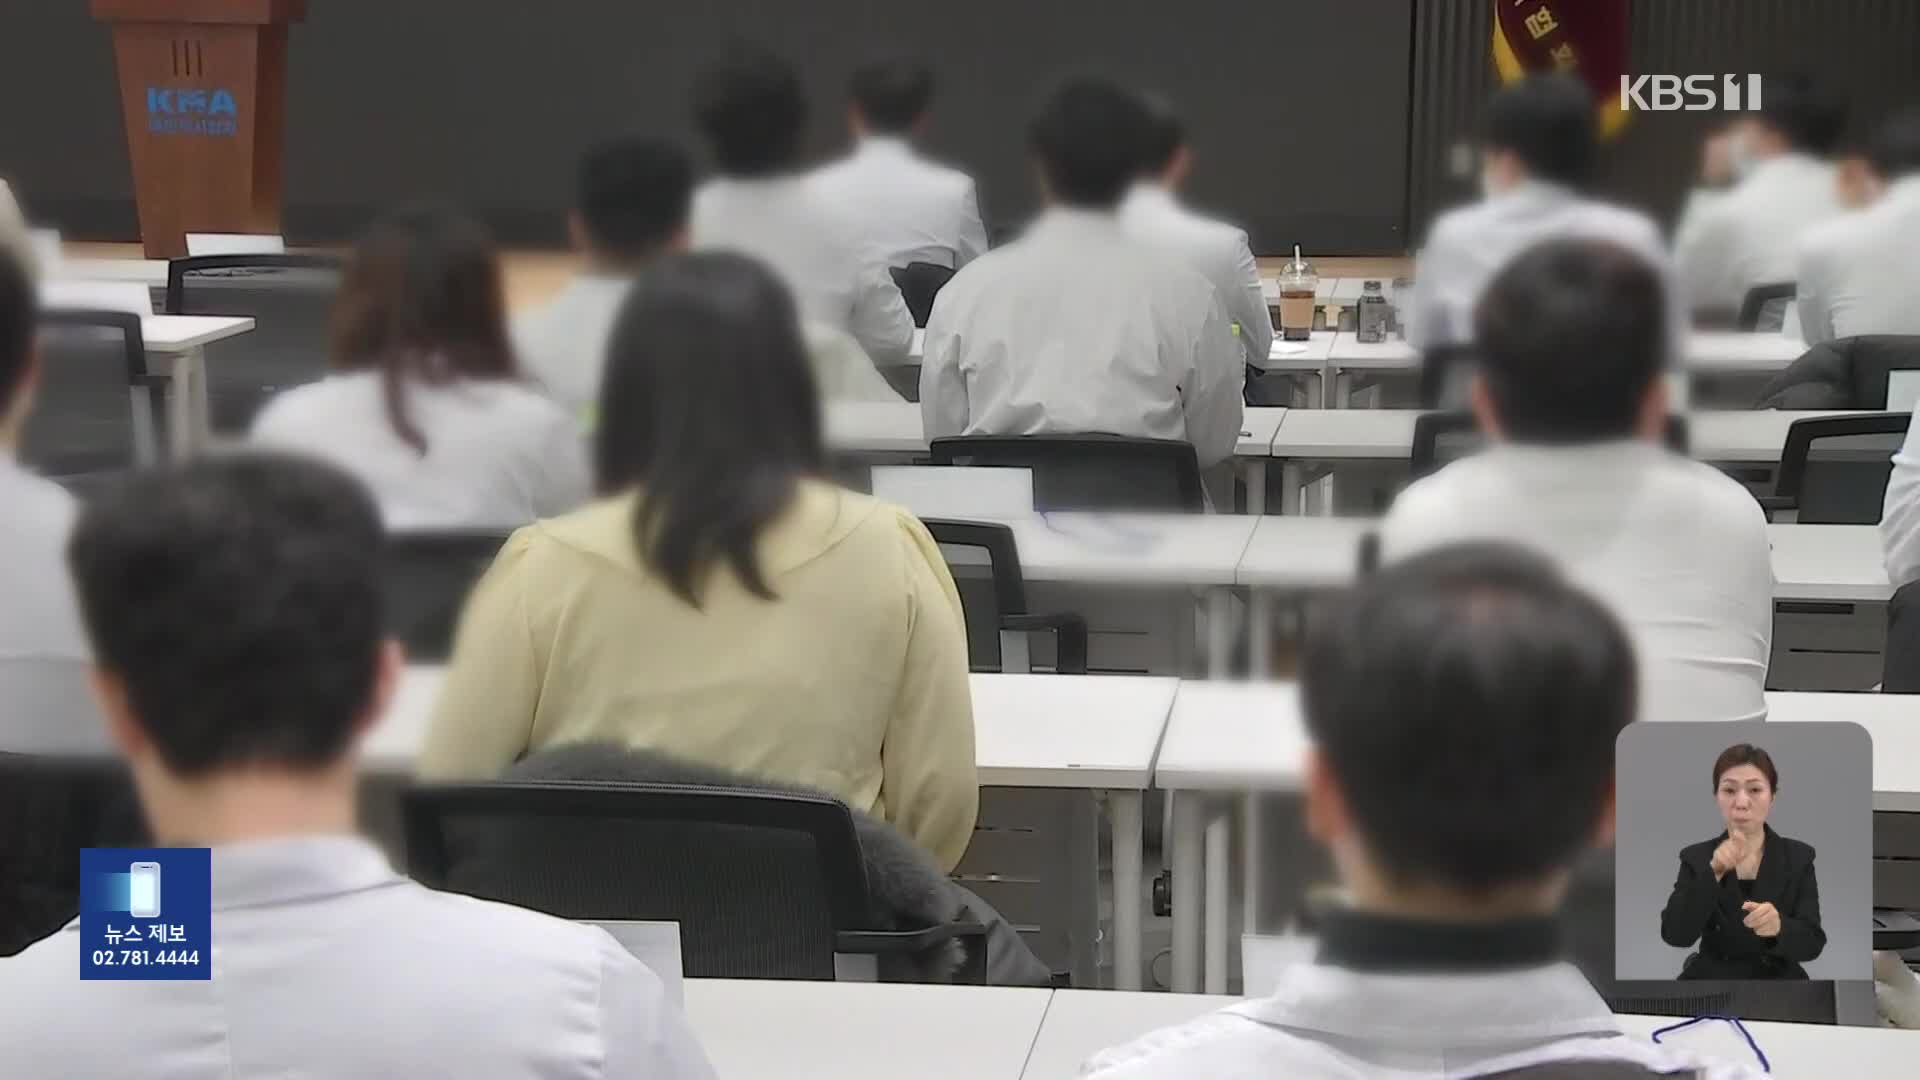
{"x": 1538, "y": 150}
{"x": 1077, "y": 327}
{"x": 752, "y": 112}
{"x": 1765, "y": 182}
{"x": 1462, "y": 707}
{"x": 631, "y": 203}
{"x": 908, "y": 209}
{"x": 1154, "y": 213}
{"x": 723, "y": 603}
{"x": 426, "y": 406}
{"x": 1571, "y": 340}
{"x": 234, "y": 607}
{"x": 43, "y": 653}
{"x": 1860, "y": 273}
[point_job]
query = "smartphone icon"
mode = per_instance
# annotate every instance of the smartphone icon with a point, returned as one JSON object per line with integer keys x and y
{"x": 143, "y": 894}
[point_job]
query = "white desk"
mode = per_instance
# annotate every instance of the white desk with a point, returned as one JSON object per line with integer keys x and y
{"x": 763, "y": 1029}
{"x": 178, "y": 342}
{"x": 149, "y": 272}
{"x": 1094, "y": 732}
{"x": 1892, "y": 720}
{"x": 1080, "y": 1023}
{"x": 1835, "y": 563}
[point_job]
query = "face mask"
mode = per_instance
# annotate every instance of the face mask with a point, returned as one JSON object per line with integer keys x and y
{"x": 1740, "y": 155}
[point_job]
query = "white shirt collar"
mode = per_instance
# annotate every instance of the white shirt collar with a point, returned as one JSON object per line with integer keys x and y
{"x": 894, "y": 145}
{"x": 294, "y": 868}
{"x": 1146, "y": 192}
{"x": 1074, "y": 222}
{"x": 1535, "y": 191}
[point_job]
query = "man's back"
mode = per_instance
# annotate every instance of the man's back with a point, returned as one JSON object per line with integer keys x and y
{"x": 327, "y": 964}
{"x": 1729, "y": 242}
{"x": 43, "y": 651}
{"x": 906, "y": 208}
{"x": 563, "y": 343}
{"x": 1219, "y": 251}
{"x": 1077, "y": 328}
{"x": 1857, "y": 272}
{"x": 1678, "y": 551}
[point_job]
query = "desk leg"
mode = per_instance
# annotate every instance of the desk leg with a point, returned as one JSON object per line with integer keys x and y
{"x": 1219, "y": 632}
{"x": 1342, "y": 389}
{"x": 1123, "y": 811}
{"x": 1290, "y": 481}
{"x": 1256, "y": 477}
{"x": 1317, "y": 397}
{"x": 1250, "y": 862}
{"x": 1187, "y": 840}
{"x": 1219, "y": 895}
{"x": 1259, "y": 633}
{"x": 188, "y": 410}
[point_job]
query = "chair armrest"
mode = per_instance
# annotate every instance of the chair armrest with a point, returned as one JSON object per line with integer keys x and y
{"x": 1069, "y": 635}
{"x": 1778, "y": 508}
{"x": 1895, "y": 931}
{"x": 972, "y": 937}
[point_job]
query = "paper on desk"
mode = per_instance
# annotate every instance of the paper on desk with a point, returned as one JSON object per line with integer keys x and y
{"x": 1715, "y": 1040}
{"x": 1286, "y": 348}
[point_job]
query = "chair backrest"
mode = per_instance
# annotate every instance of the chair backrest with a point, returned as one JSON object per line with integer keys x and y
{"x": 52, "y": 807}
{"x": 1444, "y": 374}
{"x": 212, "y": 243}
{"x": 986, "y": 598}
{"x": 290, "y": 299}
{"x": 427, "y": 578}
{"x": 1835, "y": 468}
{"x": 1900, "y": 671}
{"x": 1765, "y": 307}
{"x": 1089, "y": 472}
{"x": 1441, "y": 438}
{"x": 920, "y": 283}
{"x": 1869, "y": 358}
{"x": 97, "y": 413}
{"x": 758, "y": 881}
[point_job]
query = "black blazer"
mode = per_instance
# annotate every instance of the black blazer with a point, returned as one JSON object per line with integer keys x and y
{"x": 1707, "y": 911}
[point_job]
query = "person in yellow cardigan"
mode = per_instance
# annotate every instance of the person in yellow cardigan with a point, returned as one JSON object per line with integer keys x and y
{"x": 721, "y": 602}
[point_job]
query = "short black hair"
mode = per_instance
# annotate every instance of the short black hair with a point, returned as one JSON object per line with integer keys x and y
{"x": 1087, "y": 137}
{"x": 19, "y": 313}
{"x": 1161, "y": 135}
{"x": 634, "y": 194}
{"x": 1746, "y": 754}
{"x": 751, "y": 108}
{"x": 1895, "y": 148}
{"x": 1570, "y": 335}
{"x": 1548, "y": 122}
{"x": 892, "y": 95}
{"x": 1467, "y": 700}
{"x": 1807, "y": 116}
{"x": 709, "y": 408}
{"x": 238, "y": 599}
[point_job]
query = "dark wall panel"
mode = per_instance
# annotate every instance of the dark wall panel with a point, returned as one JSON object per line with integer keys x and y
{"x": 1298, "y": 108}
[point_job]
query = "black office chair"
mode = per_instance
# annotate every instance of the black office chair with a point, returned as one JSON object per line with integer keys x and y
{"x": 289, "y": 297}
{"x": 1834, "y": 469}
{"x": 1765, "y": 307}
{"x": 764, "y": 885}
{"x": 1848, "y": 373}
{"x": 1444, "y": 371}
{"x": 427, "y": 578}
{"x": 1089, "y": 472}
{"x": 920, "y": 283}
{"x": 1441, "y": 438}
{"x": 998, "y": 623}
{"x": 53, "y": 807}
{"x": 99, "y": 412}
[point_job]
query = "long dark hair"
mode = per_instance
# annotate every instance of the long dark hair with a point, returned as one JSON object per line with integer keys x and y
{"x": 422, "y": 299}
{"x": 708, "y": 404}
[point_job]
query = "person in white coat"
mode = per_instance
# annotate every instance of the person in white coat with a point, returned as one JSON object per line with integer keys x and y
{"x": 1155, "y": 213}
{"x": 1538, "y": 153}
{"x": 632, "y": 199}
{"x": 750, "y": 107}
{"x": 906, "y": 208}
{"x": 426, "y": 405}
{"x": 1860, "y": 272}
{"x": 1078, "y": 327}
{"x": 1764, "y": 183}
{"x": 1571, "y": 392}
{"x": 1462, "y": 708}
{"x": 234, "y": 609}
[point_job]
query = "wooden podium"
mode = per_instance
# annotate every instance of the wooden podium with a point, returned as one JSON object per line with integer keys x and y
{"x": 203, "y": 89}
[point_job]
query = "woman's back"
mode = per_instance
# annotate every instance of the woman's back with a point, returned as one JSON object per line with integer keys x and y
{"x": 852, "y": 679}
{"x": 497, "y": 454}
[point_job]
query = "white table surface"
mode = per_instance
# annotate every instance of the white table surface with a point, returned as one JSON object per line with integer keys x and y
{"x": 1893, "y": 722}
{"x": 1069, "y": 731}
{"x": 149, "y": 272}
{"x": 1303, "y": 356}
{"x": 1150, "y": 550}
{"x": 1744, "y": 437}
{"x": 1235, "y": 737}
{"x": 1709, "y": 352}
{"x": 1079, "y": 731}
{"x": 1295, "y": 552}
{"x": 1839, "y": 563}
{"x": 180, "y": 333}
{"x": 761, "y": 1029}
{"x": 894, "y": 428}
{"x": 1080, "y": 1023}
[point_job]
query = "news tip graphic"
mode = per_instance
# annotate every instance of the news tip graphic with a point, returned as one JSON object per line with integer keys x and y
{"x": 146, "y": 913}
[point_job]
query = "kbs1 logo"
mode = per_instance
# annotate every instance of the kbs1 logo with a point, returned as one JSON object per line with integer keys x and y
{"x": 1693, "y": 93}
{"x": 190, "y": 111}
